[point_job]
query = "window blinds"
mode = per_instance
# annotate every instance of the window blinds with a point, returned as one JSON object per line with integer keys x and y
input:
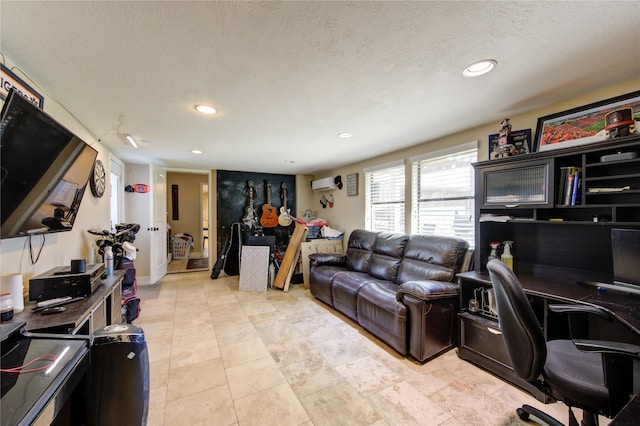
{"x": 443, "y": 194}
{"x": 385, "y": 206}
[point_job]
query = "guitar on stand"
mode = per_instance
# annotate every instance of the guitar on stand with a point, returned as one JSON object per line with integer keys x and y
{"x": 285, "y": 218}
{"x": 269, "y": 218}
{"x": 250, "y": 218}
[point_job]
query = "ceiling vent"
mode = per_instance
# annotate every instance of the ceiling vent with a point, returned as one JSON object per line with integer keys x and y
{"x": 325, "y": 184}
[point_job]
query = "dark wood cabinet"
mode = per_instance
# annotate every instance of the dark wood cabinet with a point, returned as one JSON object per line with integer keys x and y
{"x": 558, "y": 242}
{"x": 520, "y": 199}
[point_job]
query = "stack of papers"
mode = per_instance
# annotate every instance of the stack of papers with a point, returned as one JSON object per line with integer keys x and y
{"x": 488, "y": 217}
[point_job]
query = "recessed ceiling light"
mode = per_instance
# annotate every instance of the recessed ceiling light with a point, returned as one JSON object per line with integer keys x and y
{"x": 205, "y": 109}
{"x": 479, "y": 68}
{"x": 196, "y": 151}
{"x": 344, "y": 135}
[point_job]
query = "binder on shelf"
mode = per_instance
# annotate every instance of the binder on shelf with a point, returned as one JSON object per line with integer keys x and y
{"x": 567, "y": 179}
{"x": 577, "y": 186}
{"x": 562, "y": 187}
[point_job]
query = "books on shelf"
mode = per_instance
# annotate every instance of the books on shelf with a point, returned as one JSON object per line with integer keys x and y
{"x": 569, "y": 186}
{"x": 577, "y": 186}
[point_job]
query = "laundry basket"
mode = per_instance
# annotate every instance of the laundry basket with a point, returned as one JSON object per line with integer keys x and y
{"x": 181, "y": 248}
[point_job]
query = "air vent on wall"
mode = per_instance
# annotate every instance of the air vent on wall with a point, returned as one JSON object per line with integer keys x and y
{"x": 325, "y": 184}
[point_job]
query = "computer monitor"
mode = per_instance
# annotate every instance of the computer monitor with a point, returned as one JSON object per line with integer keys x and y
{"x": 625, "y": 250}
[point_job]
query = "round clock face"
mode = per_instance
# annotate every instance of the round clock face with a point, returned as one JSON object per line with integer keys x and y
{"x": 98, "y": 179}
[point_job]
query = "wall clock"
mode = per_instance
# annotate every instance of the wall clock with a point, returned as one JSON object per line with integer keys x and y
{"x": 97, "y": 182}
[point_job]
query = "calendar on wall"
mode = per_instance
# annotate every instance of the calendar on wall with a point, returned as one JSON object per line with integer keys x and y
{"x": 352, "y": 184}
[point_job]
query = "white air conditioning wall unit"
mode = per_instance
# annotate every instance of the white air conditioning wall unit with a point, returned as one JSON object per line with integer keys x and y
{"x": 325, "y": 184}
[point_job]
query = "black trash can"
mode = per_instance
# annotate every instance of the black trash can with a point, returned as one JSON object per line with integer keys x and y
{"x": 119, "y": 377}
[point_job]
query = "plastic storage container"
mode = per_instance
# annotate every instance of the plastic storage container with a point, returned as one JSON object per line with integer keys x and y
{"x": 181, "y": 248}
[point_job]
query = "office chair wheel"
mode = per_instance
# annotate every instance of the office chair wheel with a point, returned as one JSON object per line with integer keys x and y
{"x": 524, "y": 416}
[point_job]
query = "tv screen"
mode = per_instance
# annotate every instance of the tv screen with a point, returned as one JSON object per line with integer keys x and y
{"x": 625, "y": 247}
{"x": 44, "y": 172}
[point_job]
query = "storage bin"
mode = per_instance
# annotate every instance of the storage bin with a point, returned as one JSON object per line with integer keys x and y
{"x": 314, "y": 232}
{"x": 181, "y": 248}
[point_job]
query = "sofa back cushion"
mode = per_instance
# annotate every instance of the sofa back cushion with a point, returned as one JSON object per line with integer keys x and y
{"x": 387, "y": 255}
{"x": 429, "y": 257}
{"x": 359, "y": 250}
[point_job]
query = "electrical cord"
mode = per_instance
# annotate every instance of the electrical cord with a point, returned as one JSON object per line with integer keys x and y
{"x": 33, "y": 262}
{"x": 49, "y": 358}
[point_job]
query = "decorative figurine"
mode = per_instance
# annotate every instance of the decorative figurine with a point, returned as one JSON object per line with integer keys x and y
{"x": 619, "y": 123}
{"x": 506, "y": 147}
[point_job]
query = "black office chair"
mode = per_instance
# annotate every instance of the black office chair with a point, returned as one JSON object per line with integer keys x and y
{"x": 595, "y": 376}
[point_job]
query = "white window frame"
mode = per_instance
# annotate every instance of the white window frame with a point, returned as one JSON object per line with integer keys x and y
{"x": 385, "y": 197}
{"x": 439, "y": 210}
{"x": 116, "y": 178}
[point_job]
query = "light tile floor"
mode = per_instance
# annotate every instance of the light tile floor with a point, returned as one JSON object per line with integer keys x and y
{"x": 220, "y": 356}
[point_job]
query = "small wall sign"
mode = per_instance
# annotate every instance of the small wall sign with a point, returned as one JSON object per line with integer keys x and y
{"x": 8, "y": 80}
{"x": 352, "y": 184}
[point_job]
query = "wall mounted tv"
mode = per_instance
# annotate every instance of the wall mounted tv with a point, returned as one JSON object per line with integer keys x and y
{"x": 45, "y": 170}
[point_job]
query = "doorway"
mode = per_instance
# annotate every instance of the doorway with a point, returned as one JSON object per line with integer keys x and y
{"x": 188, "y": 218}
{"x": 204, "y": 218}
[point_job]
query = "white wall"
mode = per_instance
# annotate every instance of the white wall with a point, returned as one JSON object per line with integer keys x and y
{"x": 59, "y": 248}
{"x": 348, "y": 213}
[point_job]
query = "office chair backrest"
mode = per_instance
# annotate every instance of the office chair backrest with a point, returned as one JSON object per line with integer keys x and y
{"x": 520, "y": 329}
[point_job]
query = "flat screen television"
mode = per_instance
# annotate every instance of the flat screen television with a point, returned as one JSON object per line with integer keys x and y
{"x": 44, "y": 172}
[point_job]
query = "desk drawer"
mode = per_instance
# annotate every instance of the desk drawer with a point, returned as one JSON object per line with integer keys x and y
{"x": 480, "y": 335}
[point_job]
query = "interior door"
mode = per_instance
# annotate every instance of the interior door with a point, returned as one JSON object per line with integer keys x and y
{"x": 158, "y": 242}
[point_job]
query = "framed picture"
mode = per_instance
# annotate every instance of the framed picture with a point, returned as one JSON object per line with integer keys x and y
{"x": 519, "y": 142}
{"x": 597, "y": 122}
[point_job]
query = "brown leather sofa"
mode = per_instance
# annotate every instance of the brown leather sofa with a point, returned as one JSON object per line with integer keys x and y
{"x": 399, "y": 287}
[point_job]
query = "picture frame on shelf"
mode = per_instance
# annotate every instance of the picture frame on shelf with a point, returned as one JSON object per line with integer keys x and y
{"x": 617, "y": 117}
{"x": 519, "y": 143}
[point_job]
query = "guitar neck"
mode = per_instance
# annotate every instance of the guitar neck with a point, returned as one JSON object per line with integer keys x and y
{"x": 268, "y": 194}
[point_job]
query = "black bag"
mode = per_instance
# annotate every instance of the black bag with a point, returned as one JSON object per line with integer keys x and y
{"x": 129, "y": 300}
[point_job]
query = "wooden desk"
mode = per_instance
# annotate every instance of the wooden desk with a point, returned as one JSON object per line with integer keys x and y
{"x": 100, "y": 309}
{"x": 561, "y": 285}
{"x": 629, "y": 415}
{"x": 548, "y": 286}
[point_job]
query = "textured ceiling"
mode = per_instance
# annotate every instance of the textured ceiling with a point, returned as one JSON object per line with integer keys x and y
{"x": 287, "y": 77}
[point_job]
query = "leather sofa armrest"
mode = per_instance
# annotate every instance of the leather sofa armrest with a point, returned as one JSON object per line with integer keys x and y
{"x": 428, "y": 289}
{"x": 320, "y": 259}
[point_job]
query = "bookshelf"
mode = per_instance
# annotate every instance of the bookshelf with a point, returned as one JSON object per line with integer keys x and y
{"x": 525, "y": 199}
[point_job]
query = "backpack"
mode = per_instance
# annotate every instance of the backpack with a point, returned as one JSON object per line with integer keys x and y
{"x": 129, "y": 300}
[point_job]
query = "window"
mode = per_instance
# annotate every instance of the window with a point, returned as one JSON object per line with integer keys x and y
{"x": 384, "y": 189}
{"x": 443, "y": 192}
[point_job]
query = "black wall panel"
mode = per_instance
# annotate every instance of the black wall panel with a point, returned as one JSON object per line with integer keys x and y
{"x": 232, "y": 200}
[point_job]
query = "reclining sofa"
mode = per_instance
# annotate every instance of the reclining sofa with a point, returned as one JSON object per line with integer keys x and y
{"x": 399, "y": 287}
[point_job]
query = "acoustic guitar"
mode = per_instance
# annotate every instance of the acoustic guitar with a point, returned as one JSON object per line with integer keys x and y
{"x": 269, "y": 218}
{"x": 250, "y": 218}
{"x": 285, "y": 218}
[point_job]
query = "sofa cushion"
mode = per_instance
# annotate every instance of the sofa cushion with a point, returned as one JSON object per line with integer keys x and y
{"x": 359, "y": 249}
{"x": 387, "y": 255}
{"x": 320, "y": 282}
{"x": 382, "y": 315}
{"x": 344, "y": 289}
{"x": 428, "y": 257}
